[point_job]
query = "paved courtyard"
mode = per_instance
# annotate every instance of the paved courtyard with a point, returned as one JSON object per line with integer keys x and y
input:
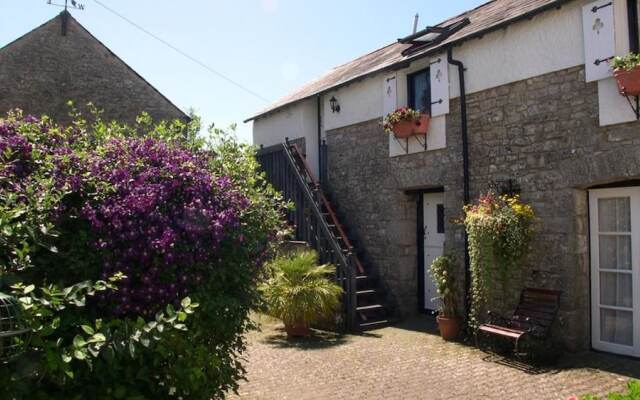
{"x": 410, "y": 361}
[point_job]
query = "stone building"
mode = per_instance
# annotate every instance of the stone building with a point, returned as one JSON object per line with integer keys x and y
{"x": 61, "y": 61}
{"x": 538, "y": 111}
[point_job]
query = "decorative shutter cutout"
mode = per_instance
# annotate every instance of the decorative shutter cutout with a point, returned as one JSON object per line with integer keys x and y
{"x": 599, "y": 39}
{"x": 439, "y": 71}
{"x": 389, "y": 94}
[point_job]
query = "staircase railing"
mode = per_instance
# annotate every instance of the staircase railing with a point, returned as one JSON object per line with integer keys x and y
{"x": 287, "y": 171}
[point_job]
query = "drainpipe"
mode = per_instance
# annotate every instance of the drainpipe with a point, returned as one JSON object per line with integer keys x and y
{"x": 465, "y": 170}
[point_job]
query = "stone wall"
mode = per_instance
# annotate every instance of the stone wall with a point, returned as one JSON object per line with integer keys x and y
{"x": 42, "y": 70}
{"x": 543, "y": 133}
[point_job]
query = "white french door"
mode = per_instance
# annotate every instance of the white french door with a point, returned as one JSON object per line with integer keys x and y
{"x": 433, "y": 211}
{"x": 615, "y": 269}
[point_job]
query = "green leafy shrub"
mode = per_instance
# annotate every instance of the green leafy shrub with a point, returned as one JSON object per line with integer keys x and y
{"x": 299, "y": 292}
{"x": 443, "y": 272}
{"x": 499, "y": 229}
{"x": 135, "y": 253}
{"x": 633, "y": 393}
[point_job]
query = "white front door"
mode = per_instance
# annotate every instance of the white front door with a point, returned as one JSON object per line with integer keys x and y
{"x": 615, "y": 269}
{"x": 433, "y": 212}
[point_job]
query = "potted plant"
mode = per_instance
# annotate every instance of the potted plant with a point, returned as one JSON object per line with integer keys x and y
{"x": 443, "y": 273}
{"x": 406, "y": 122}
{"x": 300, "y": 292}
{"x": 627, "y": 73}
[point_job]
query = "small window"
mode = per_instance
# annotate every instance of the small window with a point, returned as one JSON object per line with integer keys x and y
{"x": 419, "y": 90}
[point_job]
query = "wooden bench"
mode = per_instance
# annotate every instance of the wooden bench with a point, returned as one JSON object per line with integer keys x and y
{"x": 533, "y": 317}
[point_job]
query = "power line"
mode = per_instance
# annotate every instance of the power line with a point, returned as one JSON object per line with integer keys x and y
{"x": 177, "y": 50}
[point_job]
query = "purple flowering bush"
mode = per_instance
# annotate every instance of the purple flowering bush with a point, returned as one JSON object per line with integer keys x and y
{"x": 135, "y": 253}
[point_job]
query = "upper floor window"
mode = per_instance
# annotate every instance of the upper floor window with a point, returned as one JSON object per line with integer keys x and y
{"x": 419, "y": 90}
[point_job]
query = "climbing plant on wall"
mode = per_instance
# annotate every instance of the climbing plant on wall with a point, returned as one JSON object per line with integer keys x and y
{"x": 499, "y": 229}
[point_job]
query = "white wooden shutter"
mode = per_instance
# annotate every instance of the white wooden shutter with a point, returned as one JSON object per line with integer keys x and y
{"x": 599, "y": 39}
{"x": 389, "y": 94}
{"x": 439, "y": 71}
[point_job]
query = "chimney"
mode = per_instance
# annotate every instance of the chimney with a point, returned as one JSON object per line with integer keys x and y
{"x": 415, "y": 23}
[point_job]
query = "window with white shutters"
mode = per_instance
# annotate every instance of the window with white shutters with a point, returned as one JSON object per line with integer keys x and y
{"x": 419, "y": 91}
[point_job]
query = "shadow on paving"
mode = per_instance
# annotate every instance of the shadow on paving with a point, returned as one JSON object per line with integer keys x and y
{"x": 596, "y": 361}
{"x": 590, "y": 360}
{"x": 421, "y": 323}
{"x": 317, "y": 341}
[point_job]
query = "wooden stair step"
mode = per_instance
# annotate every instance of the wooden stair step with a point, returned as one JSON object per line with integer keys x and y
{"x": 374, "y": 324}
{"x": 370, "y": 308}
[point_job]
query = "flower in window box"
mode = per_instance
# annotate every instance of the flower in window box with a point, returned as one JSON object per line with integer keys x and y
{"x": 406, "y": 122}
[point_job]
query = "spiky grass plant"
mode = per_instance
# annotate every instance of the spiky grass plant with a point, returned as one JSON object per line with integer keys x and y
{"x": 299, "y": 291}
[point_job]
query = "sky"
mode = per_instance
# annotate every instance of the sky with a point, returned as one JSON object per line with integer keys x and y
{"x": 267, "y": 46}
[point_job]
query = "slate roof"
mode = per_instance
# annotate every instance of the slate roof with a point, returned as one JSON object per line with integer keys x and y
{"x": 487, "y": 17}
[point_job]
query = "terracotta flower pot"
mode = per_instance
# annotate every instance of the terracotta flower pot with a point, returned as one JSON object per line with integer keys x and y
{"x": 449, "y": 327}
{"x": 628, "y": 81}
{"x": 406, "y": 129}
{"x": 422, "y": 125}
{"x": 297, "y": 330}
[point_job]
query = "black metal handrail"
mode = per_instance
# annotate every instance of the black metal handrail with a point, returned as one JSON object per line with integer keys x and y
{"x": 287, "y": 175}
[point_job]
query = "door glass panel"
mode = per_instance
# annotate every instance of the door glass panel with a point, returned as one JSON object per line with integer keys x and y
{"x": 616, "y": 289}
{"x": 440, "y": 217}
{"x": 614, "y": 214}
{"x": 615, "y": 252}
{"x": 616, "y": 327}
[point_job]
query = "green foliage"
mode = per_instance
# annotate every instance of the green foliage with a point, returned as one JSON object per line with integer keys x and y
{"x": 627, "y": 63}
{"x": 499, "y": 229}
{"x": 443, "y": 272}
{"x": 299, "y": 291}
{"x": 78, "y": 346}
{"x": 633, "y": 393}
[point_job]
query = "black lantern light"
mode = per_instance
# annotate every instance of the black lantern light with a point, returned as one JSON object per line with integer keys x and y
{"x": 335, "y": 107}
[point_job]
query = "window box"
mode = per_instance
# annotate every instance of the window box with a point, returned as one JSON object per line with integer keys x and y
{"x": 408, "y": 128}
{"x": 628, "y": 81}
{"x": 626, "y": 70}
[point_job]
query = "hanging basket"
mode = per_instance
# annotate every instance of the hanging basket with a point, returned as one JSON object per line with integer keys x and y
{"x": 628, "y": 81}
{"x": 408, "y": 128}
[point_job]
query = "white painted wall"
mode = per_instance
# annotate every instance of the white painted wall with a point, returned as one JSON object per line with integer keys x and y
{"x": 360, "y": 101}
{"x": 298, "y": 120}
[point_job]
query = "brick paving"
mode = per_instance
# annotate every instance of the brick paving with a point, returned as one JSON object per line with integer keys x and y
{"x": 410, "y": 361}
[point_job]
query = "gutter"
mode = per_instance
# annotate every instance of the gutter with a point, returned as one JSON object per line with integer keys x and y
{"x": 465, "y": 170}
{"x": 405, "y": 63}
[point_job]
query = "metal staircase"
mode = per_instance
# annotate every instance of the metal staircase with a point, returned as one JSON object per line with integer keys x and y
{"x": 316, "y": 222}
